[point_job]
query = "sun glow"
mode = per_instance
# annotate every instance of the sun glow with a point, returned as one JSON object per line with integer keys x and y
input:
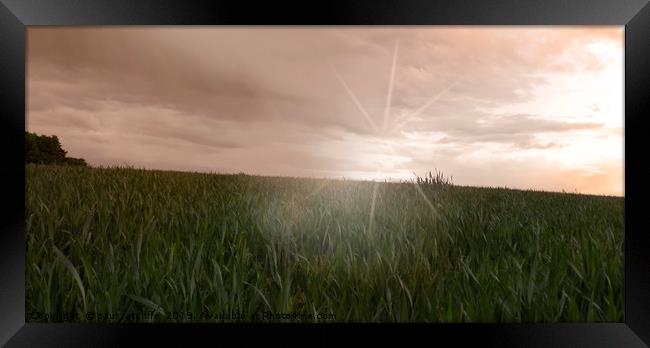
{"x": 584, "y": 97}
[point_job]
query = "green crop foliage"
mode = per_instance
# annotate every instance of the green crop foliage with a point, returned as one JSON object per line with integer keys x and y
{"x": 125, "y": 241}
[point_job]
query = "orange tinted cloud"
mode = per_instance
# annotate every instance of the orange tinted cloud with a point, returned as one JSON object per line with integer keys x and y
{"x": 267, "y": 100}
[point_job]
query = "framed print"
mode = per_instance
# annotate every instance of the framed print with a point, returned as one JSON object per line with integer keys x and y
{"x": 470, "y": 172}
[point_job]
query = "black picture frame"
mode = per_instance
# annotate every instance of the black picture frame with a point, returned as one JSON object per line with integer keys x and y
{"x": 16, "y": 15}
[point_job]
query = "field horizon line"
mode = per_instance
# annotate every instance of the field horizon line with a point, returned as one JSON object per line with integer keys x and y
{"x": 342, "y": 178}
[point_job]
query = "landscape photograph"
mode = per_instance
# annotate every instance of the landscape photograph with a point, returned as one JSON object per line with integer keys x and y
{"x": 324, "y": 174}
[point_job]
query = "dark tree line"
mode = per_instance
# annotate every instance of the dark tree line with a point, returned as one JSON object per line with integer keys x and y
{"x": 45, "y": 149}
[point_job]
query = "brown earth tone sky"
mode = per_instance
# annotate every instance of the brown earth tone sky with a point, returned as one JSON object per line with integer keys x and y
{"x": 521, "y": 107}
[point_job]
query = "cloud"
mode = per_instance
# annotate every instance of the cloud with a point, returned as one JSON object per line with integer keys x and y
{"x": 519, "y": 130}
{"x": 266, "y": 100}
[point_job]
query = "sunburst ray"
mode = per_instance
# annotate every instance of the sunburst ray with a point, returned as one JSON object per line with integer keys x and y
{"x": 408, "y": 118}
{"x": 355, "y": 99}
{"x": 389, "y": 95}
{"x": 426, "y": 199}
{"x": 373, "y": 203}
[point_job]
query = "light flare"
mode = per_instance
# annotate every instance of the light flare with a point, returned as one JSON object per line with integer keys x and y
{"x": 355, "y": 100}
{"x": 389, "y": 96}
{"x": 408, "y": 118}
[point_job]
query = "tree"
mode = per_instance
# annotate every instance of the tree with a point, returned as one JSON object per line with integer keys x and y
{"x": 45, "y": 149}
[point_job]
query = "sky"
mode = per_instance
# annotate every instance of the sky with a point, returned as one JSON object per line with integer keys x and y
{"x": 520, "y": 107}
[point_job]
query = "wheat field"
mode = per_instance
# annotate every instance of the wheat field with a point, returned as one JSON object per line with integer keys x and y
{"x": 123, "y": 241}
